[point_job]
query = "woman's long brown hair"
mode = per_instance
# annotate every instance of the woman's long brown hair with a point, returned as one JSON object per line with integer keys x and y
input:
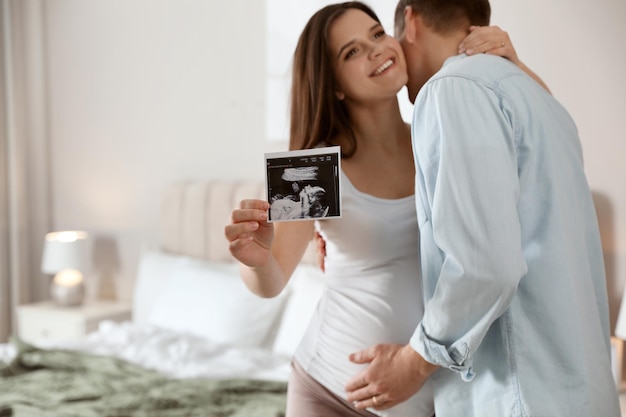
{"x": 317, "y": 115}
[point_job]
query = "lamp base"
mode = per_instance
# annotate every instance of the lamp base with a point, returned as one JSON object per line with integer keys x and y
{"x": 67, "y": 295}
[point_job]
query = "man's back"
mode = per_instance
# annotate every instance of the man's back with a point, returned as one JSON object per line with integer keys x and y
{"x": 502, "y": 192}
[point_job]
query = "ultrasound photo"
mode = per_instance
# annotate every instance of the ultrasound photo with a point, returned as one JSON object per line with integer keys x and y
{"x": 303, "y": 185}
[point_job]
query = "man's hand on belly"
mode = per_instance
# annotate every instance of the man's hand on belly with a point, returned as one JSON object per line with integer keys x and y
{"x": 394, "y": 374}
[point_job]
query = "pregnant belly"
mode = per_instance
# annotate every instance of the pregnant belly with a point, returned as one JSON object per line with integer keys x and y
{"x": 348, "y": 321}
{"x": 361, "y": 319}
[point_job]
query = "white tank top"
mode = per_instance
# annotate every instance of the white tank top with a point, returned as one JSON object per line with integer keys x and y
{"x": 372, "y": 291}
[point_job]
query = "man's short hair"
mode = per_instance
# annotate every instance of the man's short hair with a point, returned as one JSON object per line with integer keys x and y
{"x": 445, "y": 16}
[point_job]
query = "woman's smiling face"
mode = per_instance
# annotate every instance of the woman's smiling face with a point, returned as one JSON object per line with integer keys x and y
{"x": 369, "y": 64}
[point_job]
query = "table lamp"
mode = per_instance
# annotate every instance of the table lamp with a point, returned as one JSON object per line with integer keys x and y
{"x": 65, "y": 257}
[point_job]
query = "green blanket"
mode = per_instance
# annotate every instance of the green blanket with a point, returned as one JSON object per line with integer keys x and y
{"x": 46, "y": 383}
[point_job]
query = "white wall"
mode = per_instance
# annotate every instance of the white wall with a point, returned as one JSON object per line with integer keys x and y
{"x": 145, "y": 92}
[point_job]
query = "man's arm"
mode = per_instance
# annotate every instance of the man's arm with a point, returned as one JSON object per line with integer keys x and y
{"x": 472, "y": 260}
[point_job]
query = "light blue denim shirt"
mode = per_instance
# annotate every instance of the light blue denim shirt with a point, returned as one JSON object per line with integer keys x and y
{"x": 515, "y": 294}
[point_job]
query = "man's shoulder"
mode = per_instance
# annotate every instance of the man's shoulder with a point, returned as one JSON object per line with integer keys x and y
{"x": 480, "y": 68}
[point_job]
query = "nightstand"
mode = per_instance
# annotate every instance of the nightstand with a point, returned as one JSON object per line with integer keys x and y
{"x": 47, "y": 321}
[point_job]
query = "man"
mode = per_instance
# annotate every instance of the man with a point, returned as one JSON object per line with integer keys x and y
{"x": 516, "y": 317}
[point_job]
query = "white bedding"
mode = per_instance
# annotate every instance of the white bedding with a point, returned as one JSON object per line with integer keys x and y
{"x": 7, "y": 352}
{"x": 178, "y": 354}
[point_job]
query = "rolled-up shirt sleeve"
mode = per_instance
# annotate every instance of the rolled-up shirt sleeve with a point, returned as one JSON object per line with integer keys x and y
{"x": 467, "y": 189}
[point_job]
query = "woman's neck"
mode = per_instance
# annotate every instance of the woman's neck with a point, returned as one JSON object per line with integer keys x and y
{"x": 378, "y": 126}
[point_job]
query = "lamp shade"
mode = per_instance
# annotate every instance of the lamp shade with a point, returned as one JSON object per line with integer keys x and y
{"x": 64, "y": 250}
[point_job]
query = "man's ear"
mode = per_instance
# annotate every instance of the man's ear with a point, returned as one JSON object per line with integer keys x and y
{"x": 410, "y": 25}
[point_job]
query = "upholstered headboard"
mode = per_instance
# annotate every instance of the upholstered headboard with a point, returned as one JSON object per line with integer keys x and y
{"x": 194, "y": 213}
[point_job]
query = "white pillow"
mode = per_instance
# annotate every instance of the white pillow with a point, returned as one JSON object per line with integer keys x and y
{"x": 154, "y": 270}
{"x": 210, "y": 300}
{"x": 305, "y": 286}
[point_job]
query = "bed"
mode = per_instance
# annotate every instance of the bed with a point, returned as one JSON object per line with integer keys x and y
{"x": 199, "y": 343}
